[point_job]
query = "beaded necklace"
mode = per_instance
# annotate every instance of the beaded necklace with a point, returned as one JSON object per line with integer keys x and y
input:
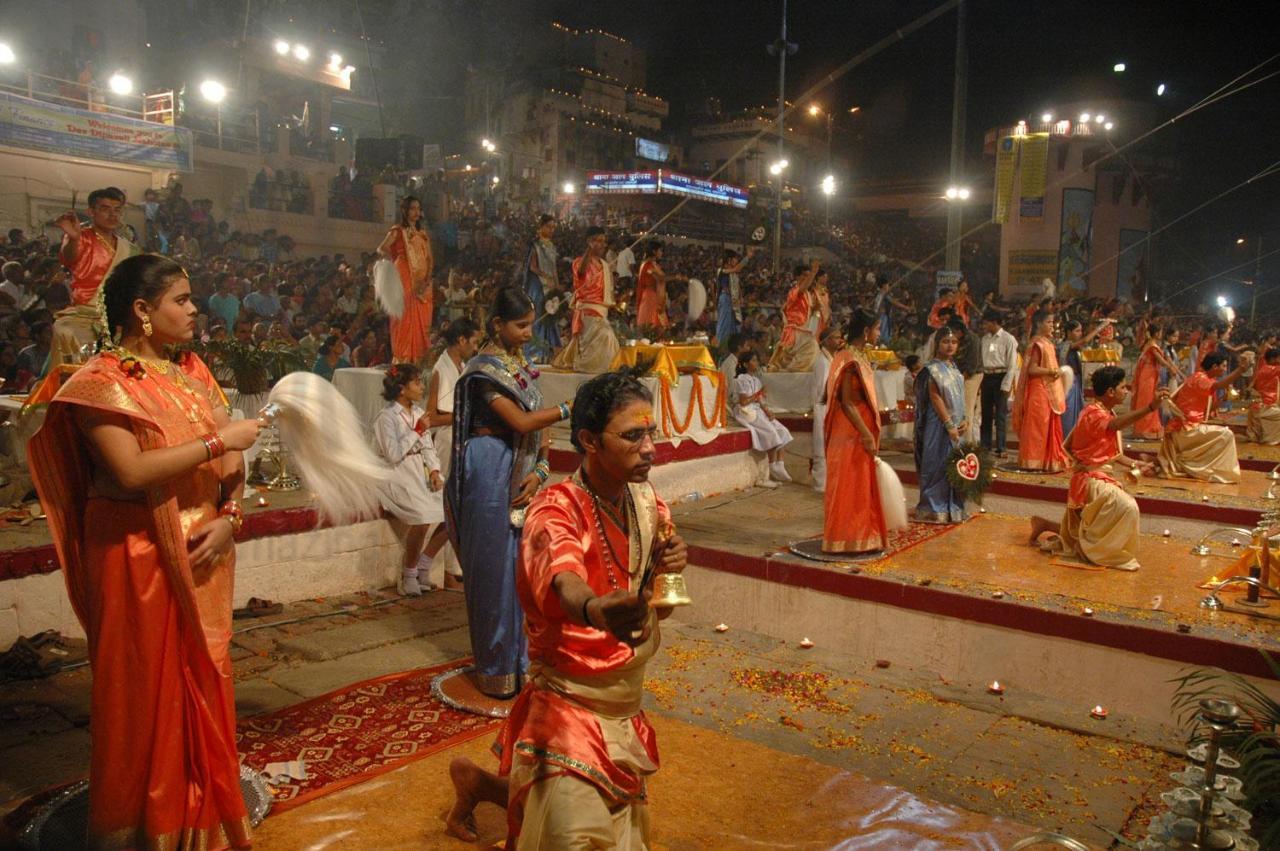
{"x": 612, "y": 556}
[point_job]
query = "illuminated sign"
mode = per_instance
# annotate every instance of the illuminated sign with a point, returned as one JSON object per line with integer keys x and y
{"x": 622, "y": 181}
{"x": 651, "y": 150}
{"x": 698, "y": 187}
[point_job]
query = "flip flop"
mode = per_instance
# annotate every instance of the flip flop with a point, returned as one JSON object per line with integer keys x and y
{"x": 257, "y": 608}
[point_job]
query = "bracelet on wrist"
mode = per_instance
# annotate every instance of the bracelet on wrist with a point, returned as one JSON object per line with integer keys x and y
{"x": 234, "y": 514}
{"x": 214, "y": 446}
{"x": 565, "y": 410}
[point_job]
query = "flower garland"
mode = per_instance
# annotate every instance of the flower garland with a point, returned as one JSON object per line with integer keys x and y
{"x": 970, "y": 471}
{"x": 696, "y": 402}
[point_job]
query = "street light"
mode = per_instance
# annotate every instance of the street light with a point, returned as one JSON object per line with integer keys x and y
{"x": 213, "y": 91}
{"x": 1160, "y": 90}
{"x": 814, "y": 109}
{"x": 569, "y": 188}
{"x": 120, "y": 84}
{"x": 829, "y": 185}
{"x": 282, "y": 47}
{"x": 1119, "y": 67}
{"x": 335, "y": 61}
{"x": 1046, "y": 118}
{"x": 7, "y": 56}
{"x": 1222, "y": 301}
{"x": 301, "y": 52}
{"x": 1108, "y": 125}
{"x": 1099, "y": 118}
{"x": 1240, "y": 240}
{"x": 775, "y": 169}
{"x": 1084, "y": 118}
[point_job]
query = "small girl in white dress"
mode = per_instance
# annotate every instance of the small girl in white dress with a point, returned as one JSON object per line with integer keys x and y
{"x": 767, "y": 434}
{"x": 412, "y": 494}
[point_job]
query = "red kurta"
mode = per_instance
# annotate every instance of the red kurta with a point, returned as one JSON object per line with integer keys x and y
{"x": 560, "y": 535}
{"x": 1266, "y": 380}
{"x": 651, "y": 298}
{"x": 163, "y": 768}
{"x": 95, "y": 257}
{"x": 795, "y": 315}
{"x": 1193, "y": 398}
{"x": 592, "y": 292}
{"x": 1092, "y": 445}
{"x": 411, "y": 333}
{"x": 853, "y": 519}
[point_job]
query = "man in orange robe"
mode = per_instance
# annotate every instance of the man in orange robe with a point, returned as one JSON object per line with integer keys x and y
{"x": 1039, "y": 401}
{"x": 651, "y": 289}
{"x": 1264, "y": 415}
{"x": 801, "y": 315}
{"x": 594, "y": 344}
{"x": 1100, "y": 523}
{"x": 576, "y": 748}
{"x": 1191, "y": 448}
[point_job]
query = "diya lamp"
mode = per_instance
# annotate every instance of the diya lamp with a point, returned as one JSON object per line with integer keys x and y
{"x": 995, "y": 687}
{"x": 262, "y": 502}
{"x": 722, "y": 627}
{"x": 1099, "y": 712}
{"x": 805, "y": 643}
{"x": 1087, "y": 612}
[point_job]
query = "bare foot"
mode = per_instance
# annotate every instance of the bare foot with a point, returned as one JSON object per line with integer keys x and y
{"x": 461, "y": 821}
{"x": 1038, "y": 527}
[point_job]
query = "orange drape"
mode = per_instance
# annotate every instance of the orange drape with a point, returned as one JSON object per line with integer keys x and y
{"x": 1146, "y": 379}
{"x": 411, "y": 333}
{"x": 651, "y": 298}
{"x": 853, "y": 519}
{"x": 163, "y": 768}
{"x": 1037, "y": 408}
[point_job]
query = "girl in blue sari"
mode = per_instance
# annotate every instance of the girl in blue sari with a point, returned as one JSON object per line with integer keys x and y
{"x": 939, "y": 424}
{"x": 500, "y": 449}
{"x": 728, "y": 297}
{"x": 1069, "y": 355}
{"x": 540, "y": 284}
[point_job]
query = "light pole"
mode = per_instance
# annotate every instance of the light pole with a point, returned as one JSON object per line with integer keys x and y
{"x": 781, "y": 48}
{"x": 829, "y": 189}
{"x": 954, "y": 213}
{"x": 816, "y": 110}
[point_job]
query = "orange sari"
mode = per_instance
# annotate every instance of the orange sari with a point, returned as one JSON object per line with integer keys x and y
{"x": 1146, "y": 379}
{"x": 411, "y": 333}
{"x": 853, "y": 519}
{"x": 651, "y": 298}
{"x": 1037, "y": 412}
{"x": 164, "y": 773}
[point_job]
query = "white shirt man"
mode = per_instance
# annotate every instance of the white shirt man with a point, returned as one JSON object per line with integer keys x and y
{"x": 624, "y": 266}
{"x": 999, "y": 367}
{"x": 832, "y": 342}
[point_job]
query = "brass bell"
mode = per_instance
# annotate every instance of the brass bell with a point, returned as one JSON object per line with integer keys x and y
{"x": 669, "y": 591}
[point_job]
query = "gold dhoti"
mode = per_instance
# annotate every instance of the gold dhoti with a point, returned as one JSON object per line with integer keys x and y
{"x": 1104, "y": 531}
{"x": 593, "y": 348}
{"x": 1203, "y": 452}
{"x": 563, "y": 811}
{"x": 72, "y": 330}
{"x": 798, "y": 357}
{"x": 1264, "y": 424}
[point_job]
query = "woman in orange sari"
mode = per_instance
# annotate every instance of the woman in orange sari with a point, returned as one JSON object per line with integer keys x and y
{"x": 409, "y": 247}
{"x": 1146, "y": 381}
{"x": 138, "y": 467}
{"x": 853, "y": 519}
{"x": 1039, "y": 401}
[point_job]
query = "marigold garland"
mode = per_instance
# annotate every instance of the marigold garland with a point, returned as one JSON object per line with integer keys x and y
{"x": 696, "y": 402}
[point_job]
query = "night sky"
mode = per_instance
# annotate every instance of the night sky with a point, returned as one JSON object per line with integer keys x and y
{"x": 1023, "y": 58}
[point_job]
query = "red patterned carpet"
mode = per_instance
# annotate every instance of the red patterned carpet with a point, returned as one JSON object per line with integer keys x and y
{"x": 356, "y": 733}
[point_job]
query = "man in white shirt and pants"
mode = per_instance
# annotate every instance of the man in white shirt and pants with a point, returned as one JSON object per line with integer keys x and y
{"x": 832, "y": 341}
{"x": 625, "y": 265}
{"x": 999, "y": 365}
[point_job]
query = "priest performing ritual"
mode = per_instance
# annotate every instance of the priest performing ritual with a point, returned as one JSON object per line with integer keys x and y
{"x": 801, "y": 315}
{"x": 1191, "y": 448}
{"x": 1264, "y": 414}
{"x": 577, "y": 748}
{"x": 593, "y": 345}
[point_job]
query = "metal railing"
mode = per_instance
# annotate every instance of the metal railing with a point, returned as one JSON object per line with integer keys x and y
{"x": 156, "y": 107}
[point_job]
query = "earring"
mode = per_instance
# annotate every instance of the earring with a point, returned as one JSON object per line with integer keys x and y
{"x": 146, "y": 326}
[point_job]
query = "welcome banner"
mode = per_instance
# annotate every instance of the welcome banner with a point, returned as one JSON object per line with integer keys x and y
{"x": 1034, "y": 162}
{"x": 26, "y": 123}
{"x": 1006, "y": 161}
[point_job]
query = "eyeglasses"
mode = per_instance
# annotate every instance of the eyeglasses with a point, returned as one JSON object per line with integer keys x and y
{"x": 635, "y": 436}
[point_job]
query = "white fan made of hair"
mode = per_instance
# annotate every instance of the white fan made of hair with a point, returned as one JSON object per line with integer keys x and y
{"x": 387, "y": 288}
{"x": 326, "y": 439}
{"x": 1068, "y": 378}
{"x": 697, "y": 299}
{"x": 893, "y": 501}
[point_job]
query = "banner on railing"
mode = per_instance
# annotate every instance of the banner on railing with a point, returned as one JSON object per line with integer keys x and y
{"x": 26, "y": 123}
{"x": 1006, "y": 160}
{"x": 1034, "y": 159}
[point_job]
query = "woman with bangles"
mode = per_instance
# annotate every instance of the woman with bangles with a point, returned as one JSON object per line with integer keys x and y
{"x": 939, "y": 425}
{"x": 500, "y": 445}
{"x": 138, "y": 467}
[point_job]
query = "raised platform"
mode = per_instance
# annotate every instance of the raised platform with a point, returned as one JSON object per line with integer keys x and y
{"x": 974, "y": 603}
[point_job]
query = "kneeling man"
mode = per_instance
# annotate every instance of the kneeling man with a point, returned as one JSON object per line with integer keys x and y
{"x": 1264, "y": 415}
{"x": 1191, "y": 448}
{"x": 576, "y": 749}
{"x": 1100, "y": 524}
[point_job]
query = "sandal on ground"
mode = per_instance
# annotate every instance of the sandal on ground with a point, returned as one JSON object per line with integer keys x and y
{"x": 257, "y": 608}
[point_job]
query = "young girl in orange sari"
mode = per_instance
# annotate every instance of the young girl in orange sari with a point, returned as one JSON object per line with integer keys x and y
{"x": 138, "y": 467}
{"x": 409, "y": 247}
{"x": 1146, "y": 381}
{"x": 1039, "y": 402}
{"x": 853, "y": 520}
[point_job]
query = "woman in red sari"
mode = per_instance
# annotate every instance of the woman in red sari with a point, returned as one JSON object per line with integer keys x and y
{"x": 1146, "y": 381}
{"x": 1039, "y": 401}
{"x": 138, "y": 467}
{"x": 853, "y": 519}
{"x": 409, "y": 247}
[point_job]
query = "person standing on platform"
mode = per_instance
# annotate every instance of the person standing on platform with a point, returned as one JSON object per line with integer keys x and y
{"x": 999, "y": 361}
{"x": 462, "y": 341}
{"x": 968, "y": 359}
{"x": 940, "y": 426}
{"x": 767, "y": 434}
{"x": 139, "y": 468}
{"x": 853, "y": 520}
{"x": 884, "y": 305}
{"x": 832, "y": 342}
{"x": 1039, "y": 401}
{"x": 89, "y": 253}
{"x": 1264, "y": 414}
{"x": 412, "y": 493}
{"x": 942, "y": 308}
{"x": 798, "y": 345}
{"x": 409, "y": 247}
{"x": 1074, "y": 339}
{"x": 1146, "y": 382}
{"x": 593, "y": 345}
{"x": 500, "y": 443}
{"x": 651, "y": 289}
{"x": 576, "y": 750}
{"x": 624, "y": 265}
{"x": 728, "y": 296}
{"x": 541, "y": 283}
{"x": 1100, "y": 523}
{"x": 1191, "y": 448}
